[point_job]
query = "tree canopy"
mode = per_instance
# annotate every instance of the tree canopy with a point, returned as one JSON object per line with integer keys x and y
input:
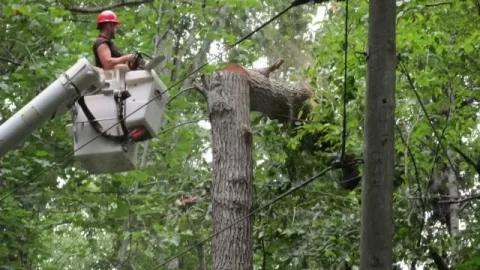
{"x": 54, "y": 215}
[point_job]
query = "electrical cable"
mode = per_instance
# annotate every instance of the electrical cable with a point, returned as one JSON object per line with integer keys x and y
{"x": 283, "y": 195}
{"x": 404, "y": 71}
{"x": 295, "y": 3}
{"x": 417, "y": 178}
{"x": 440, "y": 143}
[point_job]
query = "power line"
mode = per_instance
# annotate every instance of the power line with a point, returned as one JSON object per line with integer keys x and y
{"x": 417, "y": 178}
{"x": 295, "y": 3}
{"x": 288, "y": 192}
{"x": 405, "y": 71}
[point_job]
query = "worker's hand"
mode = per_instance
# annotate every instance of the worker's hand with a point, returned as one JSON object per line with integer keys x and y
{"x": 134, "y": 63}
{"x": 127, "y": 58}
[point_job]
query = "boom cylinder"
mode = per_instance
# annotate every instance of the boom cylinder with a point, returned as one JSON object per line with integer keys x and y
{"x": 55, "y": 99}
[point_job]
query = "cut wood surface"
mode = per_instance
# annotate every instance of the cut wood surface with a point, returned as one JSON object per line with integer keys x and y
{"x": 279, "y": 100}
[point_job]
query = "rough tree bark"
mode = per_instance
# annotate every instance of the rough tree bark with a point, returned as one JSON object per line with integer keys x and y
{"x": 454, "y": 217}
{"x": 276, "y": 99}
{"x": 377, "y": 189}
{"x": 228, "y": 102}
{"x": 454, "y": 207}
{"x": 439, "y": 261}
{"x": 231, "y": 95}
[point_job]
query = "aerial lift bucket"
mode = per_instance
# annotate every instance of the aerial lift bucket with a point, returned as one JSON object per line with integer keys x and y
{"x": 142, "y": 110}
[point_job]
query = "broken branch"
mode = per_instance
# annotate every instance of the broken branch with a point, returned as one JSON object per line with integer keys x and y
{"x": 278, "y": 100}
{"x": 266, "y": 71}
{"x": 201, "y": 90}
{"x": 186, "y": 201}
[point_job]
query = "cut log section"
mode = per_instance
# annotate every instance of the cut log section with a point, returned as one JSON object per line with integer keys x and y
{"x": 278, "y": 100}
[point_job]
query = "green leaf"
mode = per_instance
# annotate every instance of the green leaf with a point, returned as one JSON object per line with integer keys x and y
{"x": 41, "y": 153}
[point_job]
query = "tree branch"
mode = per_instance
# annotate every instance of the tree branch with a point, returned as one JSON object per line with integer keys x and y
{"x": 438, "y": 4}
{"x": 201, "y": 90}
{"x": 9, "y": 61}
{"x": 468, "y": 159}
{"x": 267, "y": 70}
{"x": 441, "y": 265}
{"x": 207, "y": 42}
{"x": 460, "y": 200}
{"x": 183, "y": 124}
{"x": 122, "y": 3}
{"x": 180, "y": 93}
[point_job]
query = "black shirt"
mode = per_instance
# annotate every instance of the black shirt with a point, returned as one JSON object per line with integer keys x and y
{"x": 115, "y": 53}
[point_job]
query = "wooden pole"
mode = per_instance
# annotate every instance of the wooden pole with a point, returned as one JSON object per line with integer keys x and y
{"x": 377, "y": 185}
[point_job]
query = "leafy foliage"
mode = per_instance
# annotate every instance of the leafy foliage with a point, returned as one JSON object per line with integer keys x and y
{"x": 67, "y": 219}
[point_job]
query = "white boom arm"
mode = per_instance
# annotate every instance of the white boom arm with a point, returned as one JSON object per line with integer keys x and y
{"x": 55, "y": 99}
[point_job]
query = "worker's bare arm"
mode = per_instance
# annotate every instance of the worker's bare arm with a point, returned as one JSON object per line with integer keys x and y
{"x": 107, "y": 60}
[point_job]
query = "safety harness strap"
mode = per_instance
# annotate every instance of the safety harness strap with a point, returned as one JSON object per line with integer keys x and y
{"x": 121, "y": 109}
{"x": 119, "y": 100}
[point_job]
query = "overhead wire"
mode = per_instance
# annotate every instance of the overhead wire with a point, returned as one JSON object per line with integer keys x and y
{"x": 435, "y": 133}
{"x": 329, "y": 168}
{"x": 283, "y": 195}
{"x": 294, "y": 4}
{"x": 417, "y": 178}
{"x": 290, "y": 191}
{"x": 439, "y": 139}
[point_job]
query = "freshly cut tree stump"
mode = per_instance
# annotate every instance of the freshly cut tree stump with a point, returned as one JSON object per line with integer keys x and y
{"x": 232, "y": 177}
{"x": 231, "y": 95}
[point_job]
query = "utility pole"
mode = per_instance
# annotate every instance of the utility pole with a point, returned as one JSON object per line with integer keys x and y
{"x": 377, "y": 185}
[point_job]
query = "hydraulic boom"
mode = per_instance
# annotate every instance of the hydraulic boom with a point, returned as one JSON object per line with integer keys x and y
{"x": 112, "y": 110}
{"x": 55, "y": 99}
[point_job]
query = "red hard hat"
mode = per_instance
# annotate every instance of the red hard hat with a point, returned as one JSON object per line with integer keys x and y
{"x": 107, "y": 16}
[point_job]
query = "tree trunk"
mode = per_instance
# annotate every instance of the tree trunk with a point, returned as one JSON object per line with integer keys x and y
{"x": 454, "y": 217}
{"x": 231, "y": 95}
{"x": 454, "y": 209}
{"x": 377, "y": 190}
{"x": 276, "y": 99}
{"x": 438, "y": 260}
{"x": 232, "y": 188}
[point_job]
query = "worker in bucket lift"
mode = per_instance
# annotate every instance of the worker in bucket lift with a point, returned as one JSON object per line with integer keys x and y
{"x": 107, "y": 56}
